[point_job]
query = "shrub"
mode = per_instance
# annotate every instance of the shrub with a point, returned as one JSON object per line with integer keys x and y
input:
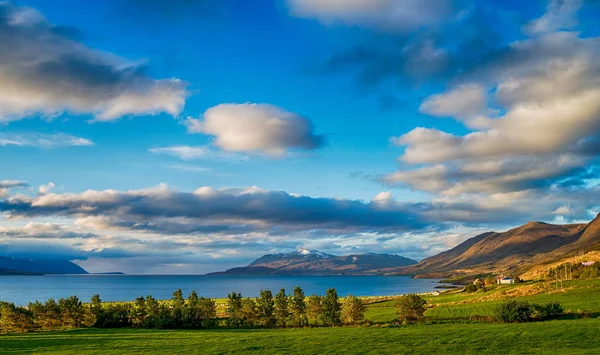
{"x": 332, "y": 308}
{"x": 490, "y": 281}
{"x": 353, "y": 310}
{"x": 470, "y": 288}
{"x": 549, "y": 310}
{"x": 314, "y": 308}
{"x": 411, "y": 308}
{"x": 514, "y": 311}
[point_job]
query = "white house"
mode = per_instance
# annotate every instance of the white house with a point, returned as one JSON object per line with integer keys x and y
{"x": 506, "y": 281}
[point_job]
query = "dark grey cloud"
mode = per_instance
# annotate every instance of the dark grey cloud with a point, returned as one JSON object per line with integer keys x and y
{"x": 223, "y": 210}
{"x": 89, "y": 81}
{"x": 437, "y": 53}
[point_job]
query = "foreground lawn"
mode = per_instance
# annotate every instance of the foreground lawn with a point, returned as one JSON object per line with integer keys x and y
{"x": 553, "y": 337}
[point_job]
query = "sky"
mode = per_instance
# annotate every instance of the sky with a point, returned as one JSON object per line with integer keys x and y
{"x": 190, "y": 136}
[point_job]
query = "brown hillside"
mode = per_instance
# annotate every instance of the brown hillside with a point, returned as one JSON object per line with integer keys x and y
{"x": 516, "y": 250}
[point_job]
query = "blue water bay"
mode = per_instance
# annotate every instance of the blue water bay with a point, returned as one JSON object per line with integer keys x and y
{"x": 24, "y": 289}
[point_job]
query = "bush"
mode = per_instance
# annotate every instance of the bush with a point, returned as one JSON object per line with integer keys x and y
{"x": 514, "y": 311}
{"x": 353, "y": 310}
{"x": 314, "y": 308}
{"x": 549, "y": 310}
{"x": 411, "y": 308}
{"x": 490, "y": 281}
{"x": 470, "y": 288}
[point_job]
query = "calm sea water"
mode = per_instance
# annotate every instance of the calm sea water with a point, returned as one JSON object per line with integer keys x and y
{"x": 24, "y": 289}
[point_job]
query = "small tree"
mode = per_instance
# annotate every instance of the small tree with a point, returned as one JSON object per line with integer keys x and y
{"x": 298, "y": 307}
{"x": 192, "y": 317}
{"x": 332, "y": 308}
{"x": 249, "y": 312}
{"x": 153, "y": 313}
{"x": 353, "y": 310}
{"x": 52, "y": 314}
{"x": 490, "y": 281}
{"x": 266, "y": 308}
{"x": 314, "y": 308}
{"x": 411, "y": 308}
{"x": 15, "y": 319}
{"x": 138, "y": 312}
{"x": 177, "y": 309}
{"x": 207, "y": 308}
{"x": 234, "y": 308}
{"x": 282, "y": 311}
{"x": 117, "y": 315}
{"x": 97, "y": 311}
{"x": 72, "y": 311}
{"x": 37, "y": 311}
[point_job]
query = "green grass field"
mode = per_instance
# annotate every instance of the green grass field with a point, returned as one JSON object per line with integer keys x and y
{"x": 581, "y": 297}
{"x": 448, "y": 330}
{"x": 552, "y": 337}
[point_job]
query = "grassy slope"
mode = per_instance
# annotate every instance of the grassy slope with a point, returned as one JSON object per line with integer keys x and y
{"x": 553, "y": 337}
{"x": 579, "y": 296}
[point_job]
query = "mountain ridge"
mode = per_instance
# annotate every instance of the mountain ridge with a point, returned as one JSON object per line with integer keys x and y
{"x": 29, "y": 266}
{"x": 514, "y": 251}
{"x": 312, "y": 262}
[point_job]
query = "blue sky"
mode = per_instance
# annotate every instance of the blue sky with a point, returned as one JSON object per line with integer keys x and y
{"x": 428, "y": 121}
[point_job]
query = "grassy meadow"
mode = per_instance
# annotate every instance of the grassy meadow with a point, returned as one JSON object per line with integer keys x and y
{"x": 551, "y": 337}
{"x": 456, "y": 323}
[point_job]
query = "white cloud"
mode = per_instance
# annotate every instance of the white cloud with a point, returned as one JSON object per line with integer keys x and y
{"x": 383, "y": 197}
{"x": 256, "y": 128}
{"x": 189, "y": 168}
{"x": 466, "y": 102}
{"x": 560, "y": 15}
{"x": 186, "y": 152}
{"x": 562, "y": 210}
{"x": 41, "y": 140}
{"x": 543, "y": 133}
{"x": 9, "y": 184}
{"x": 392, "y": 15}
{"x": 44, "y": 189}
{"x": 45, "y": 73}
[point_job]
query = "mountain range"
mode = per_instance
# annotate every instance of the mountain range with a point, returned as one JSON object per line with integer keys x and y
{"x": 312, "y": 262}
{"x": 514, "y": 251}
{"x": 23, "y": 266}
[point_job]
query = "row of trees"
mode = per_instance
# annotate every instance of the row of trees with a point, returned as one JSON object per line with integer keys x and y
{"x": 296, "y": 310}
{"x": 194, "y": 312}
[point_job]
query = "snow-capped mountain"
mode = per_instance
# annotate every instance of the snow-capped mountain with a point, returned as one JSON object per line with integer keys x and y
{"x": 313, "y": 262}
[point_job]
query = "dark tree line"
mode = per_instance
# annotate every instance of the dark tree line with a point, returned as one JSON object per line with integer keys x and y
{"x": 193, "y": 312}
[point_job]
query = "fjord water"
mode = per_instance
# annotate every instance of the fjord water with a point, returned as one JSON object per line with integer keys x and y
{"x": 24, "y": 289}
